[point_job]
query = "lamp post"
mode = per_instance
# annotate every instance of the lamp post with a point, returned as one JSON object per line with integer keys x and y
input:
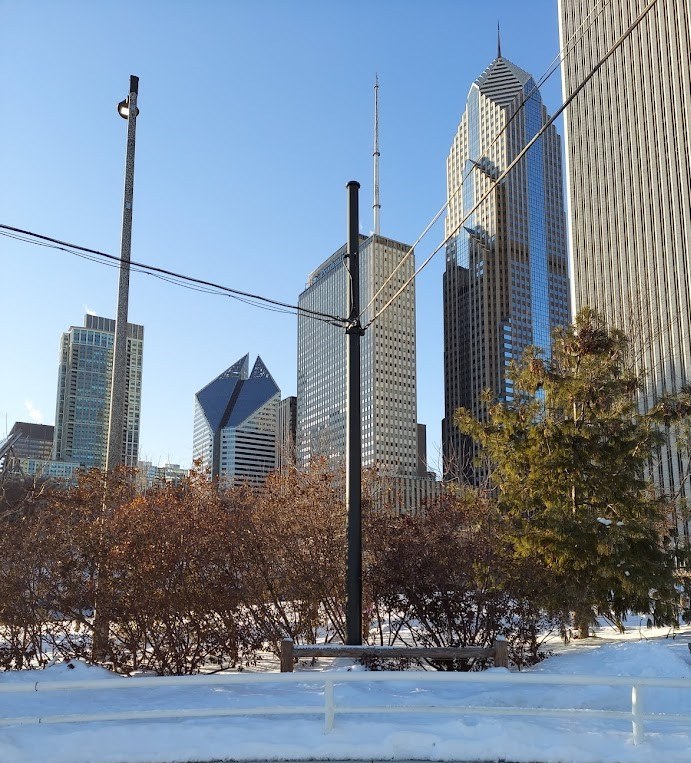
{"x": 115, "y": 453}
{"x": 354, "y": 333}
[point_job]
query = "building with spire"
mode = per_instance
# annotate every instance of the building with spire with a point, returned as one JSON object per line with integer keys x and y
{"x": 235, "y": 423}
{"x": 388, "y": 361}
{"x": 506, "y": 280}
{"x": 628, "y": 163}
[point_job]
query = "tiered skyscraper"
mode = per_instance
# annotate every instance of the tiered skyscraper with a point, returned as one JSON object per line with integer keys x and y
{"x": 628, "y": 149}
{"x": 388, "y": 389}
{"x": 235, "y": 422}
{"x": 83, "y": 399}
{"x": 506, "y": 282}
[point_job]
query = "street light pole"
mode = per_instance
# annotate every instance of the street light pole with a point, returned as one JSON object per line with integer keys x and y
{"x": 353, "y": 425}
{"x": 117, "y": 446}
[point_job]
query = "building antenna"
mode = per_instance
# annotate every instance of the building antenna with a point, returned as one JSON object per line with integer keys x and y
{"x": 498, "y": 41}
{"x": 376, "y": 206}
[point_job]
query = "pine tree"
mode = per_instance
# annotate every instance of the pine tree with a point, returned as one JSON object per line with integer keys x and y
{"x": 569, "y": 455}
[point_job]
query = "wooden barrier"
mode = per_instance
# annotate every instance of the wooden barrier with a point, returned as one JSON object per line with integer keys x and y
{"x": 291, "y": 651}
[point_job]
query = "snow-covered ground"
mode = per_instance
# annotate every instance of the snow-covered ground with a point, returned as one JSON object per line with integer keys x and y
{"x": 412, "y": 736}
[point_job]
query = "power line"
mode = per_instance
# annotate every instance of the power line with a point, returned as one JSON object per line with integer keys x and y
{"x": 558, "y": 59}
{"x": 518, "y": 157}
{"x": 191, "y": 287}
{"x": 166, "y": 275}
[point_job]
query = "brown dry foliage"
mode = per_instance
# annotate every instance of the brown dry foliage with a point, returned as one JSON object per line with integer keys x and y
{"x": 187, "y": 577}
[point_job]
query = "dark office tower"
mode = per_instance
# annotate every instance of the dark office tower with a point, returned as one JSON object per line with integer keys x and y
{"x": 628, "y": 149}
{"x": 235, "y": 419}
{"x": 83, "y": 400}
{"x": 26, "y": 440}
{"x": 286, "y": 432}
{"x": 506, "y": 282}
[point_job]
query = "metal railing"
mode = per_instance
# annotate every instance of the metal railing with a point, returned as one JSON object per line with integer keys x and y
{"x": 330, "y": 708}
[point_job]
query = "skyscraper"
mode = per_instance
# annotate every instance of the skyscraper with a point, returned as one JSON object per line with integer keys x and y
{"x": 286, "y": 432}
{"x": 628, "y": 143}
{"x": 506, "y": 281}
{"x": 83, "y": 399}
{"x": 235, "y": 421}
{"x": 388, "y": 376}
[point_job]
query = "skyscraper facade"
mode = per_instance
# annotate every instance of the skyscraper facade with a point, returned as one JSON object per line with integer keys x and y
{"x": 287, "y": 432}
{"x": 83, "y": 399}
{"x": 628, "y": 149}
{"x": 506, "y": 283}
{"x": 235, "y": 423}
{"x": 388, "y": 371}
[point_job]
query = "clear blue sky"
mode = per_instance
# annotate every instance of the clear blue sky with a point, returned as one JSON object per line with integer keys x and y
{"x": 254, "y": 115}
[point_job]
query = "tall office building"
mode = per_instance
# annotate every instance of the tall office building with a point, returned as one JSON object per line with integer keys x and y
{"x": 235, "y": 422}
{"x": 388, "y": 376}
{"x": 83, "y": 399}
{"x": 628, "y": 143}
{"x": 506, "y": 281}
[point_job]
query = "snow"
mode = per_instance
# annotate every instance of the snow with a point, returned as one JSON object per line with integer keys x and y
{"x": 640, "y": 652}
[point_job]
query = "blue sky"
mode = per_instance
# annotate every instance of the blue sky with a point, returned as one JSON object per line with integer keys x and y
{"x": 254, "y": 115}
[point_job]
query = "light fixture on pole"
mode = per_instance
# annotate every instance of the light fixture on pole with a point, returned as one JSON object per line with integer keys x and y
{"x": 118, "y": 451}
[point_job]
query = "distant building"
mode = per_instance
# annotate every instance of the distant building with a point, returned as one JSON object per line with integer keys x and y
{"x": 27, "y": 441}
{"x": 388, "y": 371}
{"x": 149, "y": 475}
{"x": 628, "y": 162}
{"x": 506, "y": 283}
{"x": 83, "y": 399}
{"x": 31, "y": 441}
{"x": 287, "y": 429}
{"x": 388, "y": 380}
{"x": 235, "y": 422}
{"x": 423, "y": 469}
{"x": 56, "y": 470}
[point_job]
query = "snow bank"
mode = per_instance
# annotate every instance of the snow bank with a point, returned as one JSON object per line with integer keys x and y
{"x": 364, "y": 736}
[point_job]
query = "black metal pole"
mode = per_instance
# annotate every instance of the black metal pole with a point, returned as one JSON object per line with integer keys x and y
{"x": 353, "y": 425}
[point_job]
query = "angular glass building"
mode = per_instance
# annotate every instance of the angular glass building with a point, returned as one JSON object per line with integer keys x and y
{"x": 388, "y": 372}
{"x": 235, "y": 423}
{"x": 628, "y": 162}
{"x": 83, "y": 399}
{"x": 506, "y": 281}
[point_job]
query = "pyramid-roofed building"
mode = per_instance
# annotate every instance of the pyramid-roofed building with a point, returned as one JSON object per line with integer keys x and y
{"x": 506, "y": 284}
{"x": 235, "y": 419}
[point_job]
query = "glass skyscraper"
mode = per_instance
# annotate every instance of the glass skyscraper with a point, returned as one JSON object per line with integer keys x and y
{"x": 83, "y": 399}
{"x": 388, "y": 373}
{"x": 235, "y": 424}
{"x": 506, "y": 280}
{"x": 628, "y": 162}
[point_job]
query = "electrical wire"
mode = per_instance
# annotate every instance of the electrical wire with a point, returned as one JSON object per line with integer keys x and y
{"x": 168, "y": 275}
{"x": 184, "y": 285}
{"x": 519, "y": 156}
{"x": 553, "y": 66}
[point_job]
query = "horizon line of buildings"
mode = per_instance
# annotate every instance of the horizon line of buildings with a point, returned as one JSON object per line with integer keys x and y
{"x": 506, "y": 284}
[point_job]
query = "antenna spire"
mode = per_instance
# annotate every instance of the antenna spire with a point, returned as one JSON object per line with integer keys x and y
{"x": 498, "y": 41}
{"x": 376, "y": 206}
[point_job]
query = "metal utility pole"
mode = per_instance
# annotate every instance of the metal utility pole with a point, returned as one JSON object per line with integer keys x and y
{"x": 353, "y": 425}
{"x": 118, "y": 389}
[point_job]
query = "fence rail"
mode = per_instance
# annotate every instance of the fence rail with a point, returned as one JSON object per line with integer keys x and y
{"x": 331, "y": 708}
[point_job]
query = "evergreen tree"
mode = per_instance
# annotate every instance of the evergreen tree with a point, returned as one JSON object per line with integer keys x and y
{"x": 569, "y": 455}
